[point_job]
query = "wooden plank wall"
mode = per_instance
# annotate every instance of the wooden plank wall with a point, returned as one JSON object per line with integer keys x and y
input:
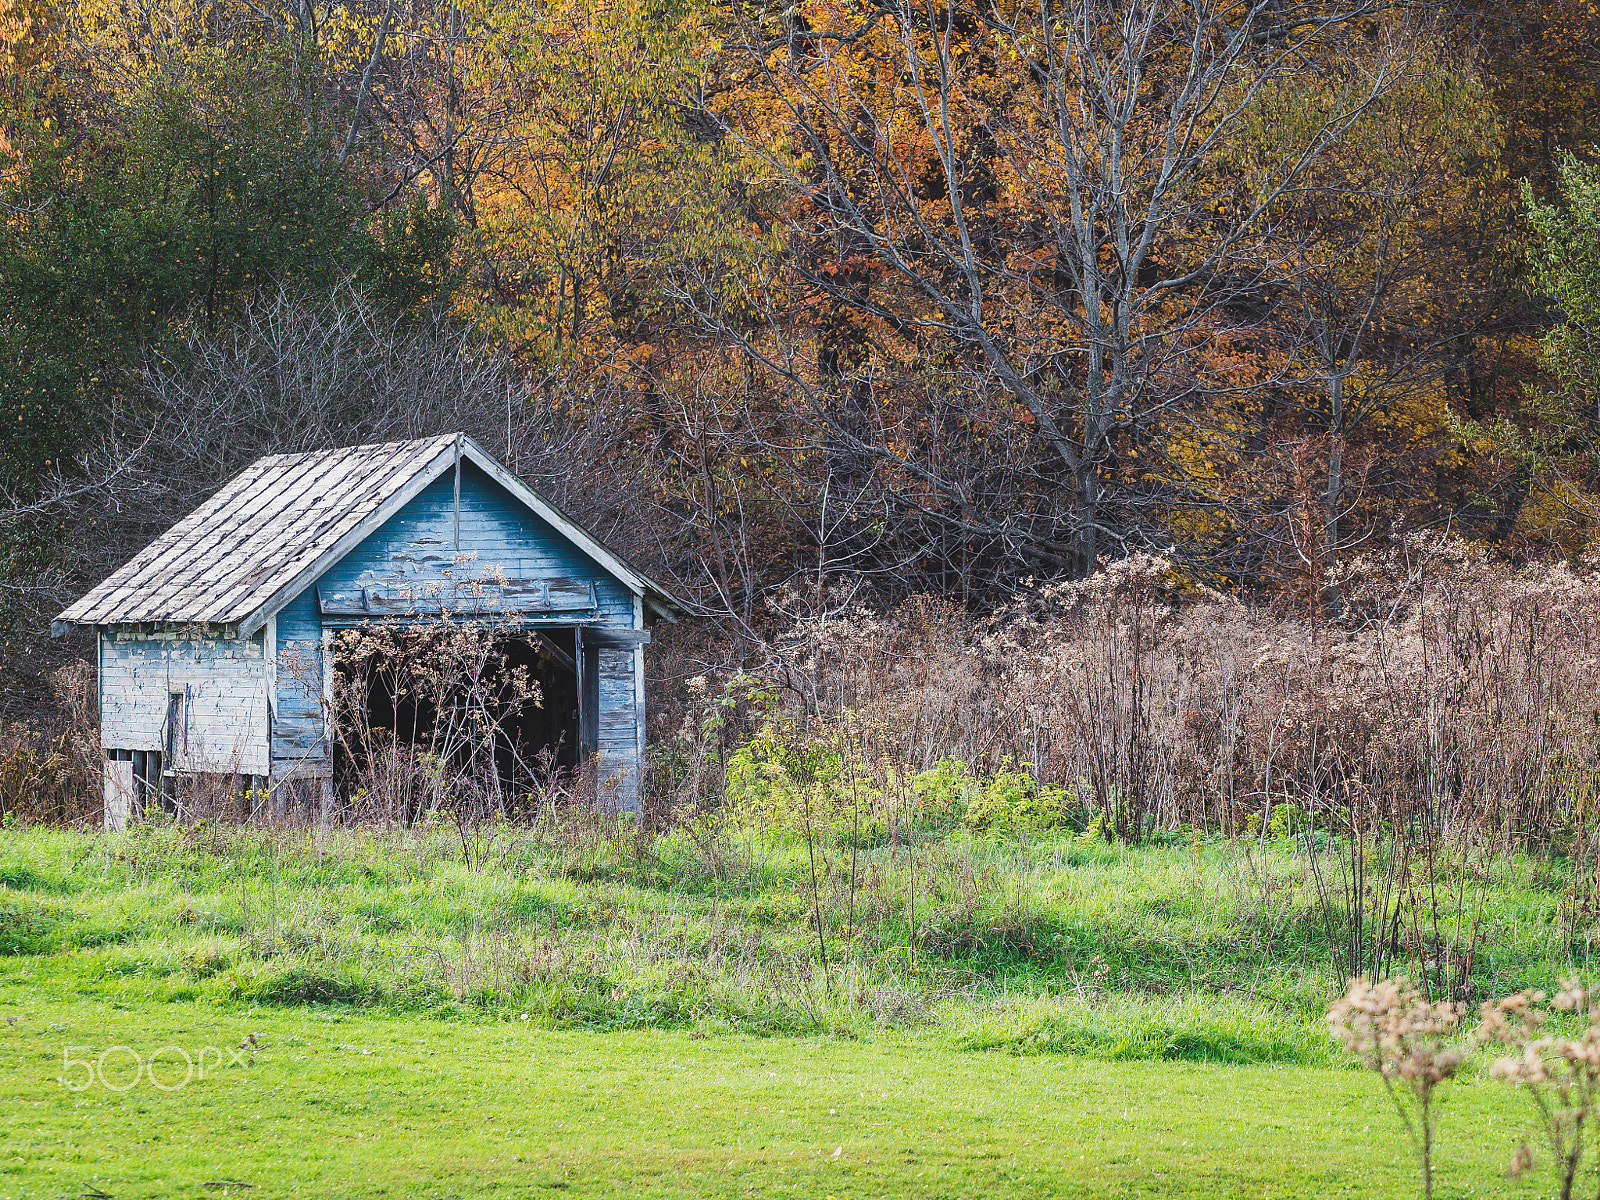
{"x": 299, "y": 740}
{"x": 617, "y": 749}
{"x": 118, "y": 805}
{"x": 225, "y": 684}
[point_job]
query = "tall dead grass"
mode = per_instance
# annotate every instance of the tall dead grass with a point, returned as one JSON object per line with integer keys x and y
{"x": 1457, "y": 695}
{"x": 50, "y": 769}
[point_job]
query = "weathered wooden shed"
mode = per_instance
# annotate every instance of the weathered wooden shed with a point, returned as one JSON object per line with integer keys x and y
{"x": 216, "y": 642}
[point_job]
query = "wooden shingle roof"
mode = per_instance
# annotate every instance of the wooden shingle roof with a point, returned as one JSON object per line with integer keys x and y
{"x": 284, "y": 520}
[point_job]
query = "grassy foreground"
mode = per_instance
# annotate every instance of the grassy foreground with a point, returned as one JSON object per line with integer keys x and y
{"x": 416, "y": 1015}
{"x": 1198, "y": 951}
{"x": 335, "y": 1103}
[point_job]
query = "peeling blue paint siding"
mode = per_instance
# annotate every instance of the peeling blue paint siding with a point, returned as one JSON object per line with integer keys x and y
{"x": 498, "y": 534}
{"x": 299, "y": 734}
{"x": 416, "y": 550}
{"x": 618, "y": 752}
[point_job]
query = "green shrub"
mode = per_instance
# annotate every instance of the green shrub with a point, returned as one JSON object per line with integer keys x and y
{"x": 780, "y": 781}
{"x": 1194, "y": 1028}
{"x": 1285, "y": 821}
{"x": 945, "y": 792}
{"x": 26, "y": 926}
{"x": 298, "y": 984}
{"x": 1013, "y": 802}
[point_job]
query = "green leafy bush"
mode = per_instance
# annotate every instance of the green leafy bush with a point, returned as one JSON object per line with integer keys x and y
{"x": 1128, "y": 1028}
{"x": 1013, "y": 802}
{"x": 26, "y": 926}
{"x": 1285, "y": 821}
{"x": 945, "y": 792}
{"x": 802, "y": 787}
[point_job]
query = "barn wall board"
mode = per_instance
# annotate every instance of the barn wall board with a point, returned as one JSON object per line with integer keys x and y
{"x": 225, "y": 684}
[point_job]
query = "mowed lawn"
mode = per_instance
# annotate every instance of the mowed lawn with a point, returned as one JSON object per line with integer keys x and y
{"x": 335, "y": 1103}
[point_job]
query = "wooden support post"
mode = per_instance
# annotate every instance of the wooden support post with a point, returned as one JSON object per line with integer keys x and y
{"x": 141, "y": 783}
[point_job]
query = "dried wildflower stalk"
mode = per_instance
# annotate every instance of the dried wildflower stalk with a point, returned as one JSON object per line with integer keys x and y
{"x": 456, "y": 672}
{"x": 1451, "y": 699}
{"x": 1561, "y": 1075}
{"x": 1398, "y": 1034}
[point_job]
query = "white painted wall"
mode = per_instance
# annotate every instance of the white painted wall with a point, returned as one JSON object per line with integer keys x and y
{"x": 226, "y": 685}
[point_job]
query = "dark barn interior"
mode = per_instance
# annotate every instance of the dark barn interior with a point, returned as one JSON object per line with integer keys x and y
{"x": 532, "y": 737}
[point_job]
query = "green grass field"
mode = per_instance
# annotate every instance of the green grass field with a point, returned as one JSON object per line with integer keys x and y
{"x": 424, "y": 1018}
{"x": 359, "y": 1104}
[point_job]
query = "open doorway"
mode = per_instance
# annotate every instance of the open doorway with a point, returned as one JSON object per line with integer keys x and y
{"x": 542, "y": 736}
{"x": 444, "y": 715}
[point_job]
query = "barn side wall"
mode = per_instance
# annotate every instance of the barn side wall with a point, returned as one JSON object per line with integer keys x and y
{"x": 224, "y": 686}
{"x": 416, "y": 551}
{"x": 617, "y": 754}
{"x": 299, "y": 737}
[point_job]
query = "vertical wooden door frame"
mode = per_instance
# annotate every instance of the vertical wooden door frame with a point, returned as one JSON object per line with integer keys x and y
{"x": 587, "y": 658}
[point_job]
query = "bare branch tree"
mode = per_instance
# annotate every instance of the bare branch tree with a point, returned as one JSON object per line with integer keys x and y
{"x": 302, "y": 373}
{"x": 1003, "y": 229}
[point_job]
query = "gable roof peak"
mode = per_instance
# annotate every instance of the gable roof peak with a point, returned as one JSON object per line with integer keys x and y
{"x": 283, "y": 521}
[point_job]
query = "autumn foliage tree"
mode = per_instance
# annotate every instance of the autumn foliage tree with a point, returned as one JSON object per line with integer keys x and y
{"x": 894, "y": 295}
{"x": 1017, "y": 234}
{"x": 1337, "y": 423}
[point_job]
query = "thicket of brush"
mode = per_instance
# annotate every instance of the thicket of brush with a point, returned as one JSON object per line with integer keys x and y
{"x": 1451, "y": 692}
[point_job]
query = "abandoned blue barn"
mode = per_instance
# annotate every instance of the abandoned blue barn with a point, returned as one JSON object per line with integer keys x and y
{"x": 216, "y": 642}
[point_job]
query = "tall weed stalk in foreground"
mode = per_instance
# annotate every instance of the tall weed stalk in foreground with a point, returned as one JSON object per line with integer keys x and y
{"x": 1561, "y": 1075}
{"x": 1412, "y": 1045}
{"x": 1408, "y": 1042}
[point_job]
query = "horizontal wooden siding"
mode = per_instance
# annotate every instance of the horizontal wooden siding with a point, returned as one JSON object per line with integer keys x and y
{"x": 224, "y": 685}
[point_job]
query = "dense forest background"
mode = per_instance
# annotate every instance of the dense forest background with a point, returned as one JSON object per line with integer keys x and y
{"x": 799, "y": 303}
